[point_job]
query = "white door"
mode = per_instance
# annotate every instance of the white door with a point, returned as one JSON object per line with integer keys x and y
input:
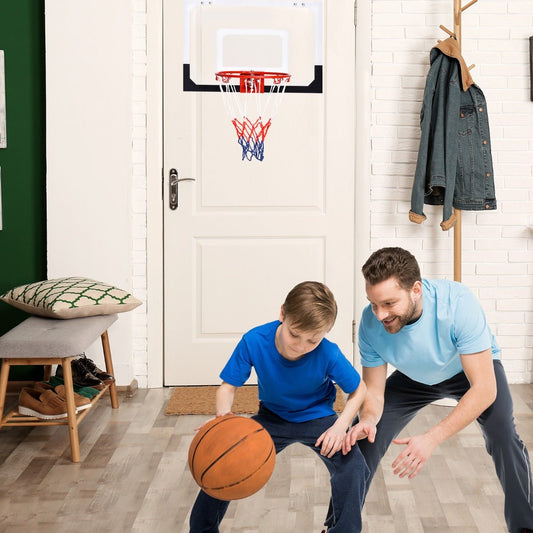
{"x": 245, "y": 232}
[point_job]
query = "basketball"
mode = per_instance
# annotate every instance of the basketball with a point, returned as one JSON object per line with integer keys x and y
{"x": 231, "y": 457}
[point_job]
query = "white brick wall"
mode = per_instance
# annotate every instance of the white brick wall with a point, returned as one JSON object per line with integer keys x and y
{"x": 497, "y": 246}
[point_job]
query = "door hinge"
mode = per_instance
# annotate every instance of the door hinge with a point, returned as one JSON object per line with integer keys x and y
{"x": 355, "y": 13}
{"x": 353, "y": 331}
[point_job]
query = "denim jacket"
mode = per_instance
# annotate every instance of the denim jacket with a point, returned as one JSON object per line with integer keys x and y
{"x": 454, "y": 166}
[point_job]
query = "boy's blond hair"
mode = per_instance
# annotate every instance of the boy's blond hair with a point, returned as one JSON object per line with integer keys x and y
{"x": 310, "y": 306}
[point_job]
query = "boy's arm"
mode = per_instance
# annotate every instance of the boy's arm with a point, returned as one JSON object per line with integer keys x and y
{"x": 353, "y": 403}
{"x": 330, "y": 441}
{"x": 224, "y": 398}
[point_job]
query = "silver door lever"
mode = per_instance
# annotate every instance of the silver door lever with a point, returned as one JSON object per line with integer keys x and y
{"x": 173, "y": 181}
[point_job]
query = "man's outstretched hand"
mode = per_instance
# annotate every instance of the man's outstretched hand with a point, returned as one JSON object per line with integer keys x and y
{"x": 411, "y": 460}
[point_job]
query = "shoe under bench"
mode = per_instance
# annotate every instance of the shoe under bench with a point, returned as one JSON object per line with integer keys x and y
{"x": 50, "y": 341}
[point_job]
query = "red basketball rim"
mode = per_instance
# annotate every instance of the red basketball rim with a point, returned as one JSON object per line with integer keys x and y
{"x": 257, "y": 78}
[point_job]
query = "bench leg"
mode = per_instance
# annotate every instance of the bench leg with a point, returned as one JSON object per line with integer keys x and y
{"x": 109, "y": 369}
{"x": 71, "y": 410}
{"x": 4, "y": 376}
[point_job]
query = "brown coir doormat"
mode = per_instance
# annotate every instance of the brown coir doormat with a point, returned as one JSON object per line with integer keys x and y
{"x": 201, "y": 400}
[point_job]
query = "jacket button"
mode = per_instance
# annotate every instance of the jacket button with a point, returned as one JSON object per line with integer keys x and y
{"x": 487, "y": 206}
{"x": 487, "y": 174}
{"x": 484, "y": 142}
{"x": 481, "y": 110}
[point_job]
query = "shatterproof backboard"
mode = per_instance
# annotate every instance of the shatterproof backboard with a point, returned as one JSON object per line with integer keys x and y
{"x": 260, "y": 35}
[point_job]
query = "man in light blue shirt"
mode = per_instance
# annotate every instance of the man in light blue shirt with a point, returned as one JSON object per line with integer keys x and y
{"x": 436, "y": 336}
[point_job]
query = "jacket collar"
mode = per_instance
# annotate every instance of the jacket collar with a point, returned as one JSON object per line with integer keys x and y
{"x": 450, "y": 47}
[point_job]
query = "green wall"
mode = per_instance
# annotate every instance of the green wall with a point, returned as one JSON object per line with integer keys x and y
{"x": 23, "y": 162}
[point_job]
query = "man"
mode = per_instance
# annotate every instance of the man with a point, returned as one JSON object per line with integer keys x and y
{"x": 435, "y": 334}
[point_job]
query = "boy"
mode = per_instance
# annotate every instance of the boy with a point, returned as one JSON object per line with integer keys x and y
{"x": 296, "y": 370}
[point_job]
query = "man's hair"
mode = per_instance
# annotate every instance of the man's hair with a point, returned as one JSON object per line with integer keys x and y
{"x": 310, "y": 306}
{"x": 392, "y": 263}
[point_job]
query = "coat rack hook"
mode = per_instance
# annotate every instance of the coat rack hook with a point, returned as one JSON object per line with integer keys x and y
{"x": 444, "y": 28}
{"x": 468, "y": 5}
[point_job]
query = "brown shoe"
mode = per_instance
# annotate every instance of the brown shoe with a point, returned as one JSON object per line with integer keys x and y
{"x": 46, "y": 405}
{"x": 81, "y": 402}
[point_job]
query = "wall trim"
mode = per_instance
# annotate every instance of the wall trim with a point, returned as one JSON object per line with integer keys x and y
{"x": 154, "y": 173}
{"x": 362, "y": 96}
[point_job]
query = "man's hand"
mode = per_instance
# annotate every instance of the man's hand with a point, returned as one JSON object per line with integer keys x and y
{"x": 361, "y": 430}
{"x": 410, "y": 461}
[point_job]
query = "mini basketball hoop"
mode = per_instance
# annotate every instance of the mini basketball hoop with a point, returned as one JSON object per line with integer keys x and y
{"x": 251, "y": 104}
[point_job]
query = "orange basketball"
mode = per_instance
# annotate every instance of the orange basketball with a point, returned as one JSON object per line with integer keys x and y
{"x": 231, "y": 457}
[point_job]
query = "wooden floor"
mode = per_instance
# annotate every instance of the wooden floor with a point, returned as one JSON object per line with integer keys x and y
{"x": 134, "y": 477}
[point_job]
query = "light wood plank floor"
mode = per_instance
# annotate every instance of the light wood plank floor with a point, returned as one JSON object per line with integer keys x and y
{"x": 134, "y": 478}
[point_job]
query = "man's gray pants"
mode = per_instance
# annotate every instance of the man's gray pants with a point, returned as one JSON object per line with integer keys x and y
{"x": 405, "y": 397}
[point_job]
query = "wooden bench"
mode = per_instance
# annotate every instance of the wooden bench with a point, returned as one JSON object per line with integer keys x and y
{"x": 50, "y": 341}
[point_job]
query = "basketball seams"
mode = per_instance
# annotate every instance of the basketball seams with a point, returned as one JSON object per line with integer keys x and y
{"x": 229, "y": 450}
{"x": 221, "y": 420}
{"x": 235, "y": 460}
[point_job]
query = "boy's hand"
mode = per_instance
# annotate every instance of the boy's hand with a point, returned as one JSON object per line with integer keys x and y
{"x": 331, "y": 441}
{"x": 213, "y": 418}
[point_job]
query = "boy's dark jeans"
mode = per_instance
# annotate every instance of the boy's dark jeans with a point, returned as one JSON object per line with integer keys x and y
{"x": 405, "y": 397}
{"x": 348, "y": 476}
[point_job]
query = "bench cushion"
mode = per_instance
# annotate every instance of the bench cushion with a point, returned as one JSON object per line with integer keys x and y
{"x": 51, "y": 337}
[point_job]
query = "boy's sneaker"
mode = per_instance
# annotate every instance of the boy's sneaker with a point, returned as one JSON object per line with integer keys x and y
{"x": 41, "y": 404}
{"x": 81, "y": 402}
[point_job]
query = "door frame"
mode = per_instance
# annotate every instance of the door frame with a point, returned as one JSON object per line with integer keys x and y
{"x": 155, "y": 178}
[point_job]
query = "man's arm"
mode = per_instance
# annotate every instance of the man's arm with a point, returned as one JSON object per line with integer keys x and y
{"x": 479, "y": 370}
{"x": 371, "y": 409}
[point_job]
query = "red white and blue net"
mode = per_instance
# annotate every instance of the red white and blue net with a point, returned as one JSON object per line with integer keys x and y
{"x": 251, "y": 100}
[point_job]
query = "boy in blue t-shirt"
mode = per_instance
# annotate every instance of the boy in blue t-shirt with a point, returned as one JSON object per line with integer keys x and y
{"x": 297, "y": 369}
{"x": 435, "y": 334}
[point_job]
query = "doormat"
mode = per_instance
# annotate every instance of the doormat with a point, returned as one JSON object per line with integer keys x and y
{"x": 200, "y": 400}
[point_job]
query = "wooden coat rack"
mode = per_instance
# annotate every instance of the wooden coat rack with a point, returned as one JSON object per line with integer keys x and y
{"x": 457, "y": 12}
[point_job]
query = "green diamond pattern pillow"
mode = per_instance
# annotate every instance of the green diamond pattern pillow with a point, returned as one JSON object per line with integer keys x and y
{"x": 70, "y": 298}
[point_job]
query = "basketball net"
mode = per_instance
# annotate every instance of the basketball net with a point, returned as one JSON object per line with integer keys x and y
{"x": 250, "y": 107}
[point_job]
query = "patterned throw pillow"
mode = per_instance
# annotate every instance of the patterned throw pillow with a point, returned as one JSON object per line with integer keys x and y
{"x": 70, "y": 298}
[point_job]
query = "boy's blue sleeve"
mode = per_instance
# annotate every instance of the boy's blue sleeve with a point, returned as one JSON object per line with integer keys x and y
{"x": 345, "y": 375}
{"x": 340, "y": 369}
{"x": 239, "y": 366}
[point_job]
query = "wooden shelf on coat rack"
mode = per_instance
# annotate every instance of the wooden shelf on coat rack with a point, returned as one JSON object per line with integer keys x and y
{"x": 457, "y": 237}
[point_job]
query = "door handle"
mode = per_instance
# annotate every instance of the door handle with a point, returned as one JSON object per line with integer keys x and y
{"x": 173, "y": 181}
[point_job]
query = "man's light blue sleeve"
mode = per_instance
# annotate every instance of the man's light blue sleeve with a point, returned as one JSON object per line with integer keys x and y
{"x": 472, "y": 333}
{"x": 369, "y": 356}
